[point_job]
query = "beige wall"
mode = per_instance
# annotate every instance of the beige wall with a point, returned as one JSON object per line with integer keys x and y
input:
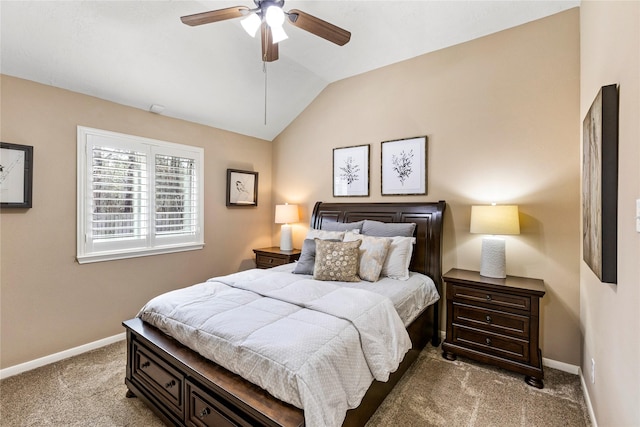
{"x": 49, "y": 302}
{"x": 502, "y": 117}
{"x": 609, "y": 314}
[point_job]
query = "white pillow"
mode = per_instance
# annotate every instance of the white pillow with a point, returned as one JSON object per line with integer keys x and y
{"x": 396, "y": 265}
{"x": 324, "y": 234}
{"x": 373, "y": 252}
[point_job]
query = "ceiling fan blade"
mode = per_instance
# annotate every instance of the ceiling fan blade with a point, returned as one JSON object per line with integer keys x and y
{"x": 318, "y": 27}
{"x": 214, "y": 15}
{"x": 269, "y": 48}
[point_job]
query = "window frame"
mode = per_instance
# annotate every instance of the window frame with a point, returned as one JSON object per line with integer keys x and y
{"x": 151, "y": 244}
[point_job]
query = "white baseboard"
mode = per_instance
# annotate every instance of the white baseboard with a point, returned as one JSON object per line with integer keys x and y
{"x": 561, "y": 366}
{"x": 27, "y": 366}
{"x": 587, "y": 399}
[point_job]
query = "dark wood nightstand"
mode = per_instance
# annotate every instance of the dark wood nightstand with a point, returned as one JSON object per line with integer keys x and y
{"x": 273, "y": 256}
{"x": 495, "y": 321}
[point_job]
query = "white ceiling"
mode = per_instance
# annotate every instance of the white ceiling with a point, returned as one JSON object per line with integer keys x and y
{"x": 138, "y": 53}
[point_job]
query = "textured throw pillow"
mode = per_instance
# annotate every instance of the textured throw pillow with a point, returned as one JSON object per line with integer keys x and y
{"x": 388, "y": 229}
{"x": 396, "y": 266}
{"x": 373, "y": 252}
{"x": 336, "y": 261}
{"x": 307, "y": 257}
{"x": 324, "y": 234}
{"x": 343, "y": 226}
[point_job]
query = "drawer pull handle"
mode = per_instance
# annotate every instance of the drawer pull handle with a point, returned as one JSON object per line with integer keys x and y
{"x": 270, "y": 261}
{"x": 206, "y": 411}
{"x": 145, "y": 364}
{"x": 170, "y": 384}
{"x": 488, "y": 319}
{"x": 488, "y": 341}
{"x": 488, "y": 297}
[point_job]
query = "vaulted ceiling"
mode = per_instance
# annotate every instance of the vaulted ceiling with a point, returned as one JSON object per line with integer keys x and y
{"x": 138, "y": 53}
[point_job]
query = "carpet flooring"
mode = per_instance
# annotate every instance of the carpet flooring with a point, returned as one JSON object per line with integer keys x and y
{"x": 89, "y": 390}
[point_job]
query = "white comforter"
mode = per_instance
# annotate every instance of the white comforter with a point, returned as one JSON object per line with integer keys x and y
{"x": 314, "y": 344}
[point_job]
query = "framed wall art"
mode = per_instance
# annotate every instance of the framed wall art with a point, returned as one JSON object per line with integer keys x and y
{"x": 404, "y": 166}
{"x": 16, "y": 175}
{"x": 242, "y": 188}
{"x": 351, "y": 171}
{"x": 600, "y": 185}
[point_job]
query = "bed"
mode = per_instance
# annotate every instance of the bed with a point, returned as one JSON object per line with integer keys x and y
{"x": 184, "y": 388}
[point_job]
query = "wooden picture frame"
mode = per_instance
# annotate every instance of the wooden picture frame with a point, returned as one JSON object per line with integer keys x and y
{"x": 404, "y": 167}
{"x": 242, "y": 188}
{"x": 600, "y": 185}
{"x": 351, "y": 171}
{"x": 16, "y": 175}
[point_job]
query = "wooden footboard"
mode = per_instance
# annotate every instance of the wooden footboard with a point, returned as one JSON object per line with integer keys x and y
{"x": 185, "y": 389}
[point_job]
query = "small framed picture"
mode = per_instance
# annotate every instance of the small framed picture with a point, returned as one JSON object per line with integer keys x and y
{"x": 16, "y": 175}
{"x": 242, "y": 188}
{"x": 404, "y": 167}
{"x": 351, "y": 171}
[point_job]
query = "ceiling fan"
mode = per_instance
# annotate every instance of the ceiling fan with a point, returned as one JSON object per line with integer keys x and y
{"x": 269, "y": 17}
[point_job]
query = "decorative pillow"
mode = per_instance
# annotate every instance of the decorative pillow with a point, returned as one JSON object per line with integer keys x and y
{"x": 307, "y": 257}
{"x": 388, "y": 229}
{"x": 396, "y": 266}
{"x": 324, "y": 234}
{"x": 343, "y": 226}
{"x": 336, "y": 261}
{"x": 373, "y": 252}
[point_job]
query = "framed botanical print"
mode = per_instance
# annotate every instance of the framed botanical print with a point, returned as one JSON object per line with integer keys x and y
{"x": 351, "y": 171}
{"x": 16, "y": 175}
{"x": 242, "y": 188}
{"x": 404, "y": 167}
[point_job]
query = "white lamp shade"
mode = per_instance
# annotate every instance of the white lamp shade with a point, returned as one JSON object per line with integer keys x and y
{"x": 286, "y": 214}
{"x": 495, "y": 219}
{"x": 251, "y": 24}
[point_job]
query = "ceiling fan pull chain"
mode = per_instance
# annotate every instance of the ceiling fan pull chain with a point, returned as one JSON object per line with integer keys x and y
{"x": 264, "y": 69}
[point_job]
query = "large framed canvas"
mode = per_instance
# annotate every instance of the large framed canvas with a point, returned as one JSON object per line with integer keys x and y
{"x": 351, "y": 171}
{"x": 404, "y": 166}
{"x": 16, "y": 175}
{"x": 600, "y": 185}
{"x": 242, "y": 188}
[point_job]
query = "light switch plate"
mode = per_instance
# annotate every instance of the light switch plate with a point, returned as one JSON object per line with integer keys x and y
{"x": 638, "y": 215}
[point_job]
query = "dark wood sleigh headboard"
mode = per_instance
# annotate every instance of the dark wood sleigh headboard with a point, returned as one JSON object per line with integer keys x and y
{"x": 428, "y": 217}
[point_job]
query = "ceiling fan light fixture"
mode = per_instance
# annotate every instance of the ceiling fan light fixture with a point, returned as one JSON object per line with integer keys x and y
{"x": 251, "y": 24}
{"x": 278, "y": 34}
{"x": 274, "y": 17}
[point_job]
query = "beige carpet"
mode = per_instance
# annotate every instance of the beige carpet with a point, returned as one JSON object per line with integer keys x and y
{"x": 88, "y": 390}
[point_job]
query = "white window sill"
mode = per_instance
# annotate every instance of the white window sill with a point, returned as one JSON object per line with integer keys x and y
{"x": 115, "y": 255}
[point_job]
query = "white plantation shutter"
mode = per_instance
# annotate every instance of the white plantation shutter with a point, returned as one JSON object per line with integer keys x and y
{"x": 137, "y": 196}
{"x": 176, "y": 195}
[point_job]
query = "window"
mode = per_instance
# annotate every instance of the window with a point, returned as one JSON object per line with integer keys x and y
{"x": 137, "y": 196}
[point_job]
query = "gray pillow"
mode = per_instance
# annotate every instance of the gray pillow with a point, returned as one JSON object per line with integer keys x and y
{"x": 307, "y": 257}
{"x": 388, "y": 229}
{"x": 342, "y": 226}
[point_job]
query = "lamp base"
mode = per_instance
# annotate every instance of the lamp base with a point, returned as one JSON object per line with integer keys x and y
{"x": 286, "y": 240}
{"x": 492, "y": 260}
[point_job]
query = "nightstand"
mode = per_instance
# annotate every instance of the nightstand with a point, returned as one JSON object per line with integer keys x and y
{"x": 495, "y": 321}
{"x": 273, "y": 256}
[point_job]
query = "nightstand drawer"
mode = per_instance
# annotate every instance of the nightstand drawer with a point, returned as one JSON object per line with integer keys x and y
{"x": 263, "y": 261}
{"x": 510, "y": 348}
{"x": 491, "y": 320}
{"x": 496, "y": 299}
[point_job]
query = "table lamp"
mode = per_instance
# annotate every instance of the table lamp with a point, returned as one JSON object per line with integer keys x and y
{"x": 285, "y": 215}
{"x": 494, "y": 220}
